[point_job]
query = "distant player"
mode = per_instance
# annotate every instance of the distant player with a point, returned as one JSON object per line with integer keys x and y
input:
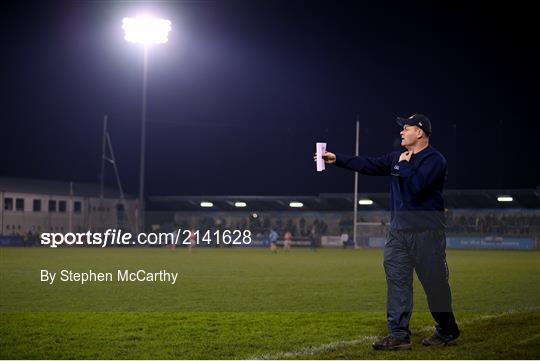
{"x": 273, "y": 238}
{"x": 344, "y": 239}
{"x": 313, "y": 238}
{"x": 192, "y": 240}
{"x": 287, "y": 241}
{"x": 172, "y": 245}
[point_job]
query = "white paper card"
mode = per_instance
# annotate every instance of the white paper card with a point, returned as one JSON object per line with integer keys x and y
{"x": 320, "y": 150}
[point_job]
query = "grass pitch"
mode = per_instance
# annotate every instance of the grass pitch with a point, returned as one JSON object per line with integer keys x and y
{"x": 249, "y": 303}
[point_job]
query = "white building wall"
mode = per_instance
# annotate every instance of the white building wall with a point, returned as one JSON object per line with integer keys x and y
{"x": 24, "y": 221}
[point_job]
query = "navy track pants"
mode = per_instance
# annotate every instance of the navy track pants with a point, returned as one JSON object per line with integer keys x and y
{"x": 425, "y": 252}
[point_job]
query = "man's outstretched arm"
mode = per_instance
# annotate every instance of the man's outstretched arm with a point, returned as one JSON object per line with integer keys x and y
{"x": 366, "y": 165}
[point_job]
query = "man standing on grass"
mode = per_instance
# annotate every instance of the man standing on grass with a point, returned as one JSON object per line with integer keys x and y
{"x": 416, "y": 240}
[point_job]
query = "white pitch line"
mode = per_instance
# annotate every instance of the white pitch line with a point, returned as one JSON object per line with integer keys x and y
{"x": 311, "y": 350}
{"x": 486, "y": 317}
{"x": 365, "y": 339}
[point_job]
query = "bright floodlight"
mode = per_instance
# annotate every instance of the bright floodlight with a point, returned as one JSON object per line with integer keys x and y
{"x": 240, "y": 204}
{"x": 505, "y": 199}
{"x": 365, "y": 202}
{"x": 146, "y": 30}
{"x": 296, "y": 204}
{"x": 207, "y": 204}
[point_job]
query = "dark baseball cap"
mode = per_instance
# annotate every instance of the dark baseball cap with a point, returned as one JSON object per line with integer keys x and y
{"x": 420, "y": 120}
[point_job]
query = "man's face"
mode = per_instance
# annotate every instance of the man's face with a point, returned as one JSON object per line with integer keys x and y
{"x": 410, "y": 135}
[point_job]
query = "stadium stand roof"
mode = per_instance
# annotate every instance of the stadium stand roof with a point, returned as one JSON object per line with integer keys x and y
{"x": 487, "y": 199}
{"x": 478, "y": 199}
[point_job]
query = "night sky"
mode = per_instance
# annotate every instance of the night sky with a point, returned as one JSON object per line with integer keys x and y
{"x": 242, "y": 91}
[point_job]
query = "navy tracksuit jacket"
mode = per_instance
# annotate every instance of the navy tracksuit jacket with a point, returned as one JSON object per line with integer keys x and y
{"x": 416, "y": 186}
{"x": 416, "y": 240}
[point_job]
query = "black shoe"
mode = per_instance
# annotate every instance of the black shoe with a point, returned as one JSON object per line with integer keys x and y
{"x": 391, "y": 343}
{"x": 436, "y": 340}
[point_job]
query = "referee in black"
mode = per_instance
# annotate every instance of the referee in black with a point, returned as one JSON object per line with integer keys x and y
{"x": 416, "y": 240}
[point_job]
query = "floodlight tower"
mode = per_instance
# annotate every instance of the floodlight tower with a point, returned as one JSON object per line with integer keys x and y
{"x": 145, "y": 30}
